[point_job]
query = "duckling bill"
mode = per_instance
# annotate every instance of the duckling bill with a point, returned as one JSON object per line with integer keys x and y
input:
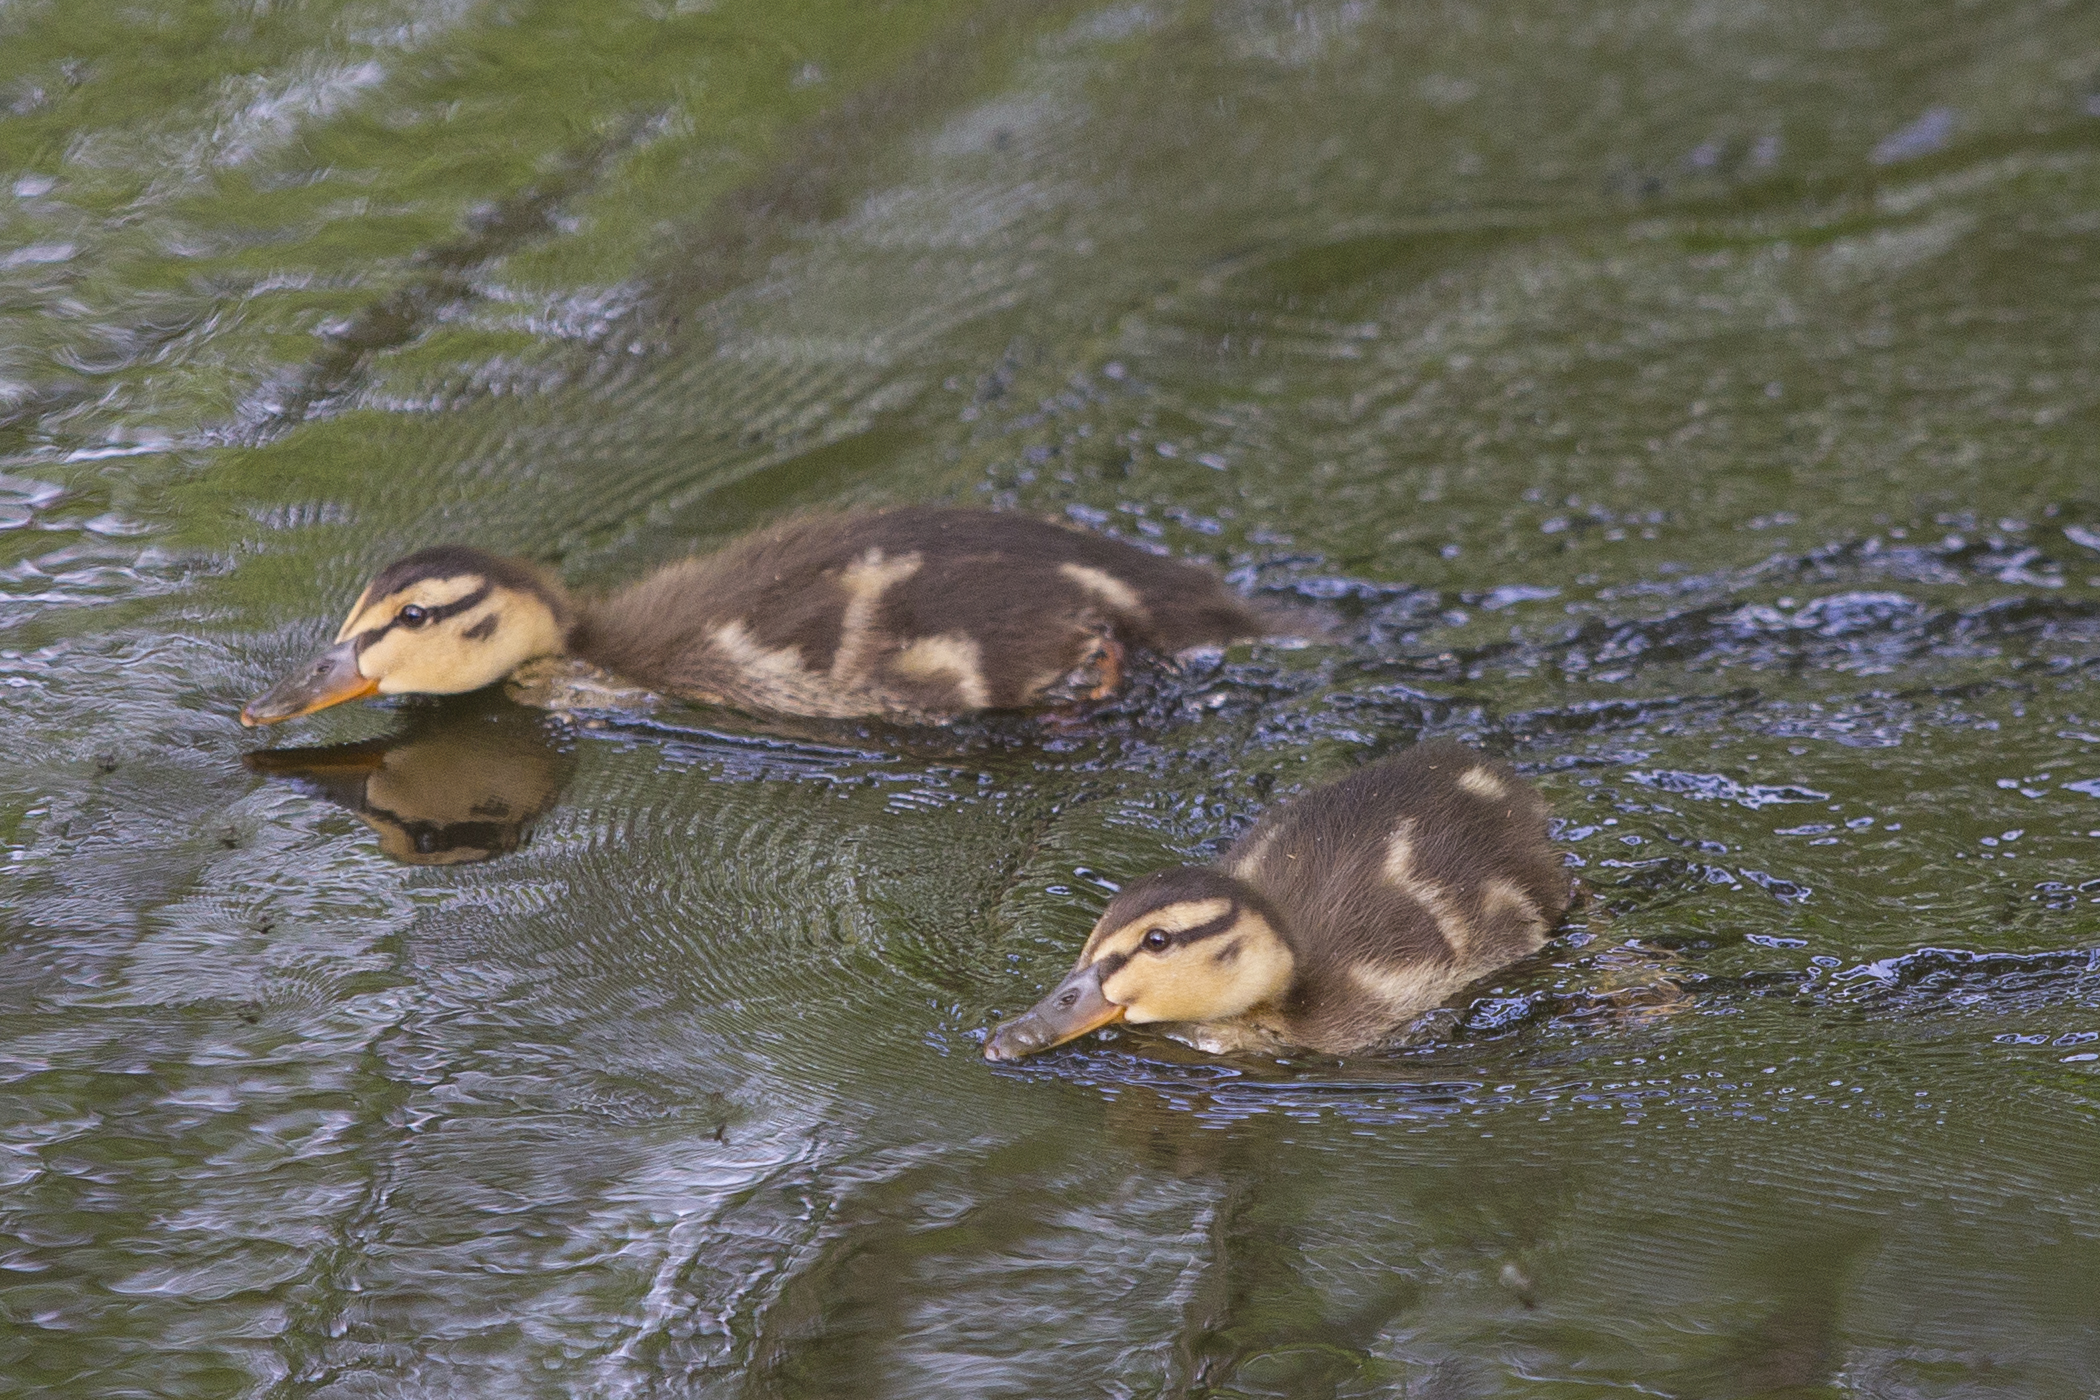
{"x": 920, "y": 614}
{"x": 1340, "y": 916}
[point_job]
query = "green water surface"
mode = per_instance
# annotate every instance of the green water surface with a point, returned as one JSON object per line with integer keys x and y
{"x": 1694, "y": 402}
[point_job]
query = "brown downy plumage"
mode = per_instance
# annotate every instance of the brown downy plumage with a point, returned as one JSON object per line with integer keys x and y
{"x": 1340, "y": 916}
{"x": 921, "y": 613}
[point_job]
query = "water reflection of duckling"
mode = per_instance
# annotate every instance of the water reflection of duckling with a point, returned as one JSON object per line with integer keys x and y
{"x": 1341, "y": 915}
{"x": 1631, "y": 984}
{"x": 919, "y": 613}
{"x": 453, "y": 789}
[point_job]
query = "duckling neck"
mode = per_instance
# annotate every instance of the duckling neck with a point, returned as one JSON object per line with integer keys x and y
{"x": 587, "y": 637}
{"x": 635, "y": 636}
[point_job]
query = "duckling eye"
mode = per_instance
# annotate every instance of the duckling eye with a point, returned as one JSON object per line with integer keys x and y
{"x": 1156, "y": 940}
{"x": 412, "y": 616}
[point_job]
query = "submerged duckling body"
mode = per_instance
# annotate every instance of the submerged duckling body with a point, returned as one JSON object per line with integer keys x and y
{"x": 1342, "y": 914}
{"x": 922, "y": 613}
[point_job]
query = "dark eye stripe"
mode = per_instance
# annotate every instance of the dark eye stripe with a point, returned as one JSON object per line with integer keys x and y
{"x": 1212, "y": 929}
{"x": 430, "y": 615}
{"x": 1223, "y": 923}
{"x": 455, "y": 608}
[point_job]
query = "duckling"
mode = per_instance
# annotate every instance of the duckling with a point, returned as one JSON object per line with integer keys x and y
{"x": 922, "y": 614}
{"x": 1337, "y": 918}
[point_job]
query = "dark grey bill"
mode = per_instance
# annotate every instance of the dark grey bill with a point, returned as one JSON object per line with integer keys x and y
{"x": 328, "y": 679}
{"x": 1076, "y": 1007}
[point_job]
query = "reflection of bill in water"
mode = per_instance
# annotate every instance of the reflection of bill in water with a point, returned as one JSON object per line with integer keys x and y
{"x": 461, "y": 783}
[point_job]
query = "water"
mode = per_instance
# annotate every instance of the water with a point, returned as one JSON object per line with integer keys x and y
{"x": 1691, "y": 402}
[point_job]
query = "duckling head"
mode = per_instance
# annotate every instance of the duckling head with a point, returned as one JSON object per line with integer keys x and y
{"x": 437, "y": 622}
{"x": 1189, "y": 944}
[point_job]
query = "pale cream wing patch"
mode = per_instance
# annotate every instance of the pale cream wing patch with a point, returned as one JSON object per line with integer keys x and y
{"x": 866, "y": 579}
{"x": 953, "y": 655}
{"x": 1401, "y": 872}
{"x": 1482, "y": 783}
{"x": 774, "y": 677}
{"x": 1109, "y": 589}
{"x": 1402, "y": 991}
{"x": 1248, "y": 865}
{"x": 1503, "y": 903}
{"x": 782, "y": 664}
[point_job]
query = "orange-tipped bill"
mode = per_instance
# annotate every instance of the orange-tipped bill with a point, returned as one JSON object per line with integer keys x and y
{"x": 328, "y": 679}
{"x": 1076, "y": 1007}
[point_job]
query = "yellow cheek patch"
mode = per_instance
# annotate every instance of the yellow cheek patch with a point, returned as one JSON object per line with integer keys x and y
{"x": 477, "y": 644}
{"x": 1214, "y": 979}
{"x": 418, "y": 662}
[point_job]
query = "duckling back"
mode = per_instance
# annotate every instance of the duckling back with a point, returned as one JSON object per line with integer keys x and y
{"x": 1400, "y": 884}
{"x": 917, "y": 612}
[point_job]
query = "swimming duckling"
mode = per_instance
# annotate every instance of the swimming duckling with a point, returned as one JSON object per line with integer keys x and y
{"x": 922, "y": 613}
{"x": 1337, "y": 918}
